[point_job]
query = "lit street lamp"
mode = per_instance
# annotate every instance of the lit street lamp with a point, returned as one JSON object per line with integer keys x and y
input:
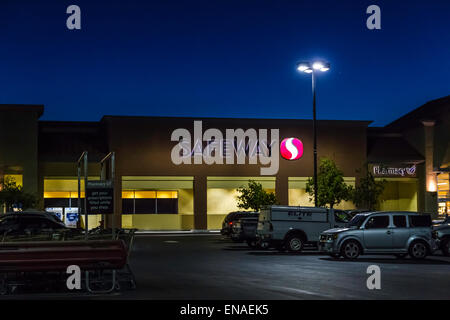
{"x": 312, "y": 68}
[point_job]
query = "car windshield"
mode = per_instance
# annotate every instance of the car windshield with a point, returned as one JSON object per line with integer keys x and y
{"x": 237, "y": 215}
{"x": 341, "y": 216}
{"x": 54, "y": 217}
{"x": 246, "y": 215}
{"x": 357, "y": 221}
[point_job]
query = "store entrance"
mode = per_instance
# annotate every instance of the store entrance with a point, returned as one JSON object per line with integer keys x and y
{"x": 443, "y": 188}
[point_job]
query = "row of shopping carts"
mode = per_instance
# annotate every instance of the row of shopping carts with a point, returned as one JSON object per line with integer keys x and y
{"x": 36, "y": 265}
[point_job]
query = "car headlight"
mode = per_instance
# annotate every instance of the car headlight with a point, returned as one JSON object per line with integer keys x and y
{"x": 333, "y": 236}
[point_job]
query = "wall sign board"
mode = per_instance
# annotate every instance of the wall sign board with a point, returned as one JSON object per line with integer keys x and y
{"x": 100, "y": 197}
{"x": 383, "y": 170}
{"x": 71, "y": 217}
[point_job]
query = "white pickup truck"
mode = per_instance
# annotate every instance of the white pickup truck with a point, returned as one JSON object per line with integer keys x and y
{"x": 288, "y": 227}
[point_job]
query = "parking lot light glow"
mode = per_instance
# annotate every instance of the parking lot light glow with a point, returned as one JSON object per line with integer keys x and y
{"x": 303, "y": 66}
{"x": 308, "y": 67}
{"x": 318, "y": 65}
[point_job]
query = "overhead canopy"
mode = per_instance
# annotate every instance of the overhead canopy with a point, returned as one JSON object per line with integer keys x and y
{"x": 392, "y": 150}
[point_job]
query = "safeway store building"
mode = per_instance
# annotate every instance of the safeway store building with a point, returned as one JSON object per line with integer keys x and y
{"x": 182, "y": 173}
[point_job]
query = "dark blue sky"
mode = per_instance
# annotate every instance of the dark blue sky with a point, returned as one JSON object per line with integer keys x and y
{"x": 231, "y": 58}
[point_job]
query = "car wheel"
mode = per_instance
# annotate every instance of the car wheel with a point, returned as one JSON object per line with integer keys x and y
{"x": 294, "y": 243}
{"x": 3, "y": 287}
{"x": 418, "y": 250}
{"x": 252, "y": 243}
{"x": 264, "y": 245}
{"x": 445, "y": 247}
{"x": 351, "y": 250}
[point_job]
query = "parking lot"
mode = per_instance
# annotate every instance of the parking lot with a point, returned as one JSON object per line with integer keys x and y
{"x": 211, "y": 267}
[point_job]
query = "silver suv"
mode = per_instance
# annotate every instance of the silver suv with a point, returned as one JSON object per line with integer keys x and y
{"x": 398, "y": 233}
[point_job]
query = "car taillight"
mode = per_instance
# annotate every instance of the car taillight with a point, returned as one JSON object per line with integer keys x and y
{"x": 230, "y": 223}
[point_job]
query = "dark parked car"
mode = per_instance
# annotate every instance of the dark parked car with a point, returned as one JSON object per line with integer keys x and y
{"x": 445, "y": 220}
{"x": 34, "y": 226}
{"x": 244, "y": 229}
{"x": 227, "y": 224}
{"x": 442, "y": 234}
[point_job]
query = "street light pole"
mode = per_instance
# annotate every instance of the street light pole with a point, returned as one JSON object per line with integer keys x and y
{"x": 315, "y": 136}
{"x": 309, "y": 67}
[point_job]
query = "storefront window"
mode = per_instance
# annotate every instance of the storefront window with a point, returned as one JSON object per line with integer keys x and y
{"x": 12, "y": 179}
{"x": 17, "y": 178}
{"x": 61, "y": 198}
{"x": 443, "y": 183}
{"x": 149, "y": 202}
{"x": 297, "y": 192}
{"x": 299, "y": 197}
{"x": 158, "y": 202}
{"x": 399, "y": 194}
{"x": 222, "y": 196}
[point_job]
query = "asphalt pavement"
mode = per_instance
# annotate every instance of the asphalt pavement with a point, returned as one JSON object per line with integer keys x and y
{"x": 207, "y": 267}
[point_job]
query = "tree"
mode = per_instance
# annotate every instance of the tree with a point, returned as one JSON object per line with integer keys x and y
{"x": 12, "y": 195}
{"x": 367, "y": 193}
{"x": 255, "y": 197}
{"x": 330, "y": 184}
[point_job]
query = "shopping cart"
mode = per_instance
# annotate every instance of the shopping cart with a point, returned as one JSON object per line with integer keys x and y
{"x": 40, "y": 262}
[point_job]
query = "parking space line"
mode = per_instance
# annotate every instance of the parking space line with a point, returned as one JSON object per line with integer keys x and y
{"x": 301, "y": 291}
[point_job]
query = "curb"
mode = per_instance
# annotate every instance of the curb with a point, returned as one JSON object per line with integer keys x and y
{"x": 170, "y": 232}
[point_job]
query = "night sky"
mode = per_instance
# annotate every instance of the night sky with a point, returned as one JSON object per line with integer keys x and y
{"x": 223, "y": 58}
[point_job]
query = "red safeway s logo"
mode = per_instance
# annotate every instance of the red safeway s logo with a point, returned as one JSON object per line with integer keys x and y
{"x": 291, "y": 148}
